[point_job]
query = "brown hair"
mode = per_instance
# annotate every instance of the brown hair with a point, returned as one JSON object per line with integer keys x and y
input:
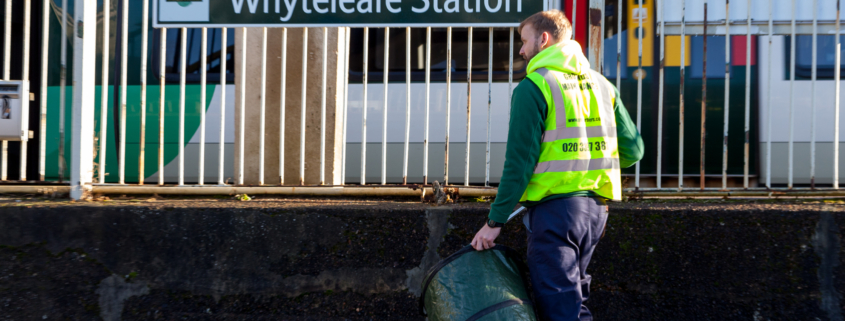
{"x": 552, "y": 21}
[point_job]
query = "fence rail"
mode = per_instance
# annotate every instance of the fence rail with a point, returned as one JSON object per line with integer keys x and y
{"x": 723, "y": 22}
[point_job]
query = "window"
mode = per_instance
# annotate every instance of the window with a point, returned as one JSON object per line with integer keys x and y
{"x": 397, "y": 57}
{"x": 825, "y": 56}
{"x": 610, "y": 53}
{"x": 192, "y": 56}
{"x": 611, "y": 21}
{"x": 715, "y": 57}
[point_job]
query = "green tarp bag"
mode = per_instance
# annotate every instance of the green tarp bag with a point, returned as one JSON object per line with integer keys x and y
{"x": 471, "y": 285}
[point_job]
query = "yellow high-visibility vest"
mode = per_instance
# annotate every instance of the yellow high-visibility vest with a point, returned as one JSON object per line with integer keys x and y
{"x": 579, "y": 149}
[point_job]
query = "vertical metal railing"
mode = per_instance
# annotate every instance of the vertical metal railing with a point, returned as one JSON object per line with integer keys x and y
{"x": 45, "y": 54}
{"x": 791, "y": 98}
{"x": 161, "y": 102}
{"x": 364, "y": 108}
{"x": 727, "y": 94}
{"x": 448, "y": 101}
{"x": 385, "y": 73}
{"x": 703, "y": 100}
{"x": 182, "y": 70}
{"x": 62, "y": 94}
{"x": 661, "y": 80}
{"x": 143, "y": 98}
{"x": 262, "y": 105}
{"x": 489, "y": 104}
{"x": 221, "y": 143}
{"x": 282, "y": 111}
{"x": 681, "y": 101}
{"x": 575, "y": 16}
{"x": 469, "y": 104}
{"x": 27, "y": 19}
{"x": 747, "y": 131}
{"x": 104, "y": 95}
{"x": 323, "y": 109}
{"x": 427, "y": 101}
{"x": 7, "y": 61}
{"x": 302, "y": 107}
{"x": 346, "y": 52}
{"x": 639, "y": 75}
{"x": 619, "y": 47}
{"x": 407, "y": 104}
{"x": 124, "y": 54}
{"x": 836, "y": 80}
{"x": 769, "y": 101}
{"x": 510, "y": 71}
{"x": 813, "y": 96}
{"x": 201, "y": 111}
{"x": 242, "y": 103}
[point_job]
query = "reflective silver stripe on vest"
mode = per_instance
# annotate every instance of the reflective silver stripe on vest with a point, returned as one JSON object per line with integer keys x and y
{"x": 605, "y": 99}
{"x": 575, "y": 165}
{"x": 575, "y": 132}
{"x": 564, "y": 132}
{"x": 557, "y": 96}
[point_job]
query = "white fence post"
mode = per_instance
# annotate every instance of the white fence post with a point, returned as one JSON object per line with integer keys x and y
{"x": 82, "y": 125}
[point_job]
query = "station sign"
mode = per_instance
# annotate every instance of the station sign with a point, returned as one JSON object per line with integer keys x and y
{"x": 343, "y": 13}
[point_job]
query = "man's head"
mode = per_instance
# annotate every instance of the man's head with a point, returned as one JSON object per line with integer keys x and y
{"x": 542, "y": 30}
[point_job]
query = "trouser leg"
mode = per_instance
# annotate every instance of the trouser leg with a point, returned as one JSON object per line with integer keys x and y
{"x": 560, "y": 245}
{"x": 598, "y": 218}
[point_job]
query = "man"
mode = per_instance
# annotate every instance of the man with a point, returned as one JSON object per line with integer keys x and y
{"x": 569, "y": 137}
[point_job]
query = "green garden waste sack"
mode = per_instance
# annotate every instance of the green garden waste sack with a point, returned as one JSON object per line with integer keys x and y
{"x": 471, "y": 285}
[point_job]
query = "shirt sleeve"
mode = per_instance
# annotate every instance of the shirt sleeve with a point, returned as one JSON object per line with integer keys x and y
{"x": 629, "y": 139}
{"x": 528, "y": 114}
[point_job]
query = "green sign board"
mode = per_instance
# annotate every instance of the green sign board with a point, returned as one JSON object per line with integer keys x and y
{"x": 343, "y": 13}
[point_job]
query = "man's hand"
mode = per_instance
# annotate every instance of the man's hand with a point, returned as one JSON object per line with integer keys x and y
{"x": 484, "y": 238}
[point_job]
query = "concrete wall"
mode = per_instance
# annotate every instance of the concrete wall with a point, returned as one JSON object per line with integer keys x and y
{"x": 293, "y": 104}
{"x": 339, "y": 260}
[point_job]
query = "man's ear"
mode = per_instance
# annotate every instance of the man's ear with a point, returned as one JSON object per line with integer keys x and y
{"x": 545, "y": 39}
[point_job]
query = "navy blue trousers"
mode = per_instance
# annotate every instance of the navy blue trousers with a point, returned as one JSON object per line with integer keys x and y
{"x": 562, "y": 235}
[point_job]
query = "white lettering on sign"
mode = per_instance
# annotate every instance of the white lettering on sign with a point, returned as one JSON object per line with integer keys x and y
{"x": 344, "y": 8}
{"x": 290, "y": 5}
{"x": 496, "y": 9}
{"x": 366, "y": 6}
{"x": 317, "y": 7}
{"x": 391, "y": 9}
{"x": 456, "y": 7}
{"x": 253, "y": 4}
{"x": 423, "y": 9}
{"x": 369, "y": 4}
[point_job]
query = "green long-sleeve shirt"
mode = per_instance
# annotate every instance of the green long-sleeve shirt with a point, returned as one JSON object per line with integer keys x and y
{"x": 527, "y": 120}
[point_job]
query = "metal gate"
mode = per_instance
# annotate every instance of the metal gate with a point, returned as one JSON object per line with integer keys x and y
{"x": 172, "y": 56}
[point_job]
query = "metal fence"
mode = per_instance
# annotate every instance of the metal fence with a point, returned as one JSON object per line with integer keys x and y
{"x": 677, "y": 24}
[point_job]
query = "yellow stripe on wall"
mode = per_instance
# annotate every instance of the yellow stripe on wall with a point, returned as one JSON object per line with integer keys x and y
{"x": 633, "y": 11}
{"x": 673, "y": 51}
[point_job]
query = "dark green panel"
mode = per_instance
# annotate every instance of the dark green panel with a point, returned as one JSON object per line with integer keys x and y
{"x": 714, "y": 125}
